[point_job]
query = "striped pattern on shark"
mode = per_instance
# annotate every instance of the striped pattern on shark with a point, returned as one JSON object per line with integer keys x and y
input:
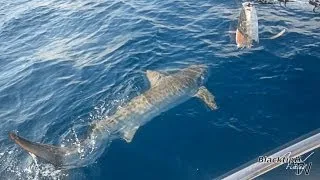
{"x": 166, "y": 91}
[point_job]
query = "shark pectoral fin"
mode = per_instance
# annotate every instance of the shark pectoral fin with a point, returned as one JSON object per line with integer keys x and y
{"x": 53, "y": 154}
{"x": 129, "y": 133}
{"x": 206, "y": 97}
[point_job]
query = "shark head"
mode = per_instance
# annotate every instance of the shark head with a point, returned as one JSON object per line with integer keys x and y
{"x": 196, "y": 72}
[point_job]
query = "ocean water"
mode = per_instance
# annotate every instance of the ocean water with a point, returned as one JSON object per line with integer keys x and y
{"x": 66, "y": 63}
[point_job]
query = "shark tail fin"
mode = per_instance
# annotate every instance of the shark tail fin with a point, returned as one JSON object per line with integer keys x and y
{"x": 53, "y": 154}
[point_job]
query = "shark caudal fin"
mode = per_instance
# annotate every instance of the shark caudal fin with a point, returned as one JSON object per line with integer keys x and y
{"x": 52, "y": 154}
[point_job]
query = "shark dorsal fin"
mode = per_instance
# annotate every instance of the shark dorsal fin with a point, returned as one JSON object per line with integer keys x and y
{"x": 154, "y": 77}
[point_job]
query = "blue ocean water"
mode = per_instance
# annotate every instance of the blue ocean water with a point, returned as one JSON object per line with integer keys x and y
{"x": 64, "y": 64}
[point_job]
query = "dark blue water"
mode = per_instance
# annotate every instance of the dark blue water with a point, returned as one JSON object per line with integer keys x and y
{"x": 64, "y": 64}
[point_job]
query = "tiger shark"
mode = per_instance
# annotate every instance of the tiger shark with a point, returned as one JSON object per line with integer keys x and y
{"x": 165, "y": 92}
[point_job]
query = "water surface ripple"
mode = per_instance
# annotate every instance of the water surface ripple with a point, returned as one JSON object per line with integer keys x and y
{"x": 66, "y": 63}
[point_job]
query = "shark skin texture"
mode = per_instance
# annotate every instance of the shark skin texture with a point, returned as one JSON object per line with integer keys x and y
{"x": 166, "y": 91}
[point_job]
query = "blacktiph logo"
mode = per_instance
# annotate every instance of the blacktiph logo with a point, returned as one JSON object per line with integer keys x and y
{"x": 301, "y": 165}
{"x": 297, "y": 164}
